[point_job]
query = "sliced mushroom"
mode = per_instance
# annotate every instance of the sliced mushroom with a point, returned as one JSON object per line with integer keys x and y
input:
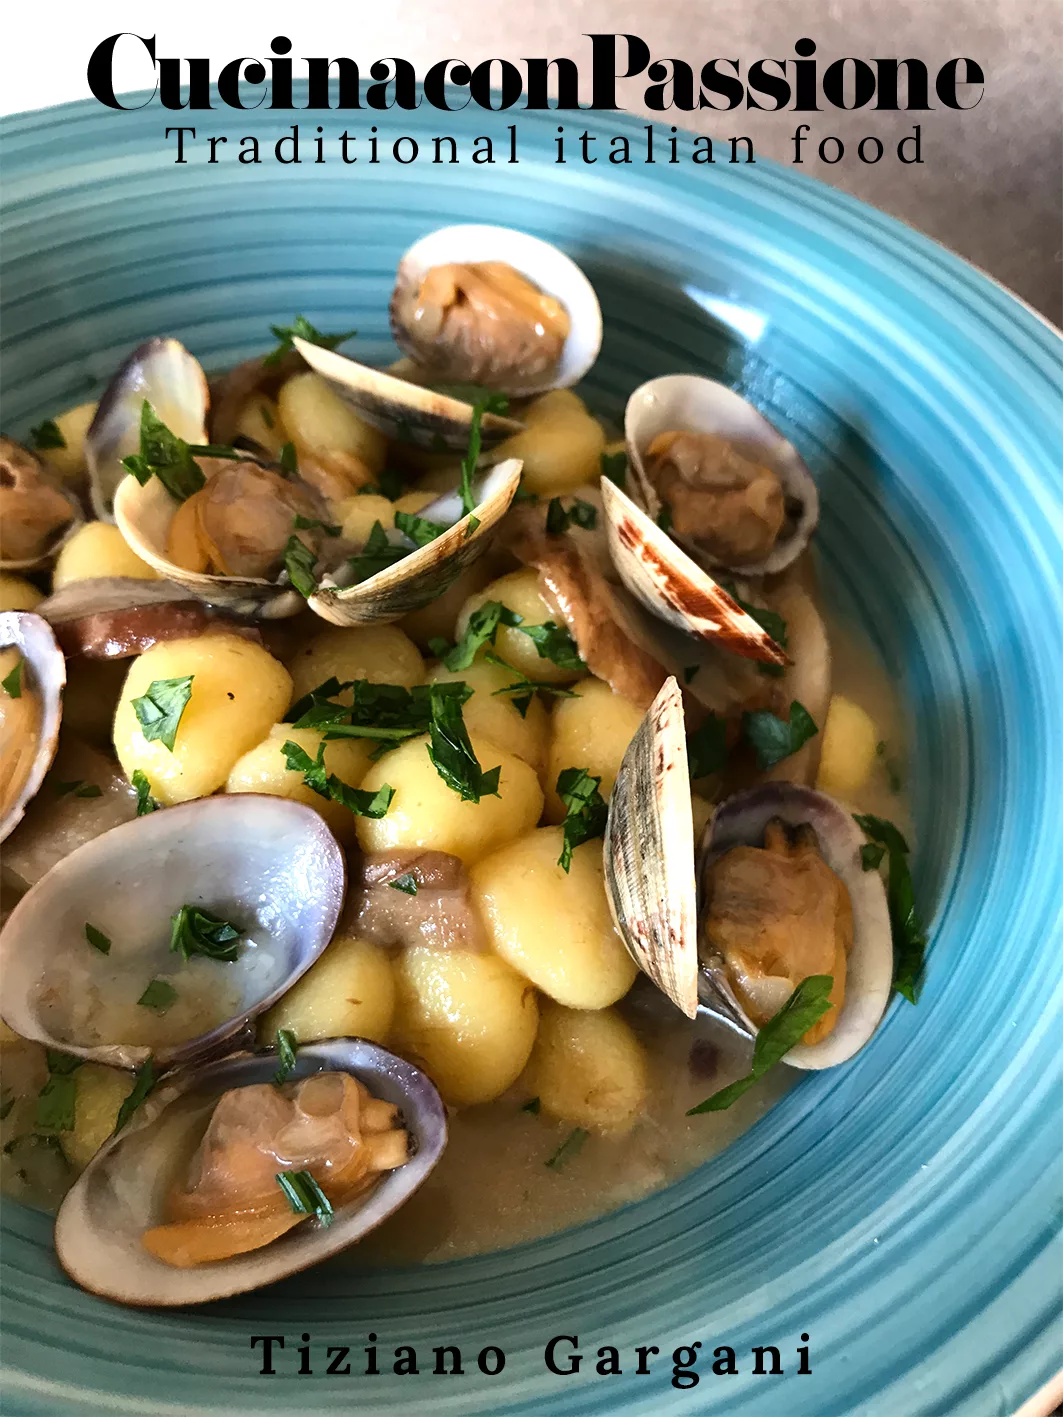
{"x": 414, "y": 898}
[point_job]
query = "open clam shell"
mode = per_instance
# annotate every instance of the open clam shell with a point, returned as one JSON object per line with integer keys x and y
{"x": 544, "y": 265}
{"x": 144, "y": 514}
{"x": 122, "y": 1191}
{"x": 28, "y": 493}
{"x": 741, "y": 821}
{"x": 663, "y": 578}
{"x": 690, "y": 403}
{"x": 407, "y": 412}
{"x": 162, "y": 371}
{"x": 429, "y": 570}
{"x": 268, "y": 865}
{"x": 30, "y": 740}
{"x": 649, "y": 853}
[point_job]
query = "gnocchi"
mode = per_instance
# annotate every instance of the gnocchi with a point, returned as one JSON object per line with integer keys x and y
{"x": 96, "y": 550}
{"x": 380, "y": 653}
{"x": 17, "y": 593}
{"x": 847, "y": 755}
{"x": 348, "y": 993}
{"x": 265, "y": 769}
{"x": 561, "y": 445}
{"x": 588, "y": 1068}
{"x": 494, "y": 716}
{"x": 590, "y": 731}
{"x": 519, "y": 591}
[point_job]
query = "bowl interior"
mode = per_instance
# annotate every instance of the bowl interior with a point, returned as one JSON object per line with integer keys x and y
{"x": 879, "y": 1198}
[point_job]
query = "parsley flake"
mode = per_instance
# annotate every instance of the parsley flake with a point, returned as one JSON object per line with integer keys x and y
{"x": 56, "y": 1099}
{"x": 195, "y": 931}
{"x": 407, "y": 883}
{"x": 97, "y": 939}
{"x": 572, "y": 1144}
{"x": 145, "y": 802}
{"x": 909, "y": 934}
{"x": 376, "y": 555}
{"x": 773, "y": 738}
{"x": 143, "y": 1086}
{"x": 159, "y": 996}
{"x": 481, "y": 630}
{"x": 302, "y": 328}
{"x": 299, "y": 562}
{"x": 309, "y": 523}
{"x": 159, "y": 710}
{"x": 361, "y": 802}
{"x": 47, "y": 435}
{"x": 707, "y": 747}
{"x": 580, "y": 513}
{"x": 305, "y": 1196}
{"x": 164, "y": 455}
{"x": 451, "y": 751}
{"x": 420, "y": 531}
{"x": 585, "y": 810}
{"x": 554, "y": 643}
{"x": 614, "y": 467}
{"x": 287, "y": 1047}
{"x": 12, "y": 684}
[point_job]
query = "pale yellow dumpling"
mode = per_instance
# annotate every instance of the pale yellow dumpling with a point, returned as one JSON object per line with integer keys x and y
{"x": 265, "y": 769}
{"x": 426, "y": 813}
{"x": 361, "y": 513}
{"x": 561, "y": 445}
{"x": 588, "y": 1068}
{"x": 99, "y": 1094}
{"x": 238, "y": 692}
{"x": 260, "y": 420}
{"x": 69, "y": 461}
{"x": 493, "y": 716}
{"x": 17, "y": 593}
{"x": 380, "y": 653}
{"x": 95, "y": 551}
{"x": 467, "y": 1019}
{"x": 848, "y": 752}
{"x": 348, "y": 993}
{"x": 519, "y": 591}
{"x": 555, "y": 928}
{"x": 321, "y": 424}
{"x": 591, "y": 731}
{"x": 439, "y": 618}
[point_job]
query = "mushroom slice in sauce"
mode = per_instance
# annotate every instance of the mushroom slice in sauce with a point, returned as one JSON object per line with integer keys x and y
{"x": 414, "y": 898}
{"x": 116, "y": 617}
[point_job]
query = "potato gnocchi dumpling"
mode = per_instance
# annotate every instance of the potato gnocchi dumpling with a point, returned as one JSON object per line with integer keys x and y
{"x": 260, "y": 420}
{"x": 467, "y": 1019}
{"x": 428, "y": 814}
{"x": 439, "y": 618}
{"x": 561, "y": 445}
{"x": 99, "y": 1093}
{"x": 493, "y": 716}
{"x": 519, "y": 591}
{"x": 588, "y": 1068}
{"x": 848, "y": 751}
{"x": 380, "y": 653}
{"x": 69, "y": 461}
{"x": 238, "y": 692}
{"x": 591, "y": 731}
{"x": 552, "y": 926}
{"x": 96, "y": 550}
{"x": 359, "y": 514}
{"x": 324, "y": 428}
{"x": 17, "y": 593}
{"x": 265, "y": 769}
{"x": 348, "y": 993}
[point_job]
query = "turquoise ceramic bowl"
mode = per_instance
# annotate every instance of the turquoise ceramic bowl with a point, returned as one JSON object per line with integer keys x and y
{"x": 901, "y": 1210}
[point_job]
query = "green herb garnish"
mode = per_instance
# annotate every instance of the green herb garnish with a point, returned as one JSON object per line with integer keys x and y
{"x": 164, "y": 455}
{"x": 267, "y": 417}
{"x": 614, "y": 467}
{"x": 407, "y": 883}
{"x": 451, "y": 751}
{"x": 195, "y": 931}
{"x": 773, "y": 738}
{"x": 664, "y": 517}
{"x": 472, "y": 456}
{"x": 56, "y": 1099}
{"x": 97, "y": 939}
{"x": 287, "y": 1047}
{"x": 890, "y": 768}
{"x": 5, "y": 1107}
{"x": 871, "y": 856}
{"x": 47, "y": 435}
{"x": 145, "y": 802}
{"x": 707, "y": 747}
{"x": 299, "y": 562}
{"x": 12, "y": 684}
{"x": 289, "y": 463}
{"x": 585, "y": 810}
{"x": 390, "y": 485}
{"x": 159, "y": 710}
{"x": 419, "y": 531}
{"x": 309, "y": 523}
{"x": 554, "y": 643}
{"x": 79, "y": 788}
{"x": 582, "y": 514}
{"x": 376, "y": 555}
{"x": 523, "y": 495}
{"x": 909, "y": 935}
{"x": 326, "y": 784}
{"x": 768, "y": 620}
{"x": 568, "y": 1148}
{"x": 488, "y": 401}
{"x": 523, "y": 687}
{"x": 143, "y": 1085}
{"x": 159, "y": 996}
{"x": 302, "y": 328}
{"x": 533, "y": 1105}
{"x": 689, "y": 672}
{"x": 481, "y": 630}
{"x": 804, "y": 1008}
{"x": 305, "y": 1196}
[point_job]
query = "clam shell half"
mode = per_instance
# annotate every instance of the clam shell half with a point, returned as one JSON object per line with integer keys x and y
{"x": 269, "y": 865}
{"x": 690, "y": 403}
{"x": 122, "y": 1191}
{"x": 43, "y": 673}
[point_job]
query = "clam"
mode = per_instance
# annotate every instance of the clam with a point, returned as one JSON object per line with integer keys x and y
{"x": 164, "y": 373}
{"x": 738, "y": 495}
{"x": 124, "y": 1191}
{"x": 31, "y": 708}
{"x": 427, "y": 571}
{"x": 403, "y": 410}
{"x": 82, "y": 948}
{"x": 652, "y": 881}
{"x": 37, "y": 514}
{"x": 491, "y": 306}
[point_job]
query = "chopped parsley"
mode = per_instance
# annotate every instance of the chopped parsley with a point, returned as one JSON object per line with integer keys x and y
{"x": 159, "y": 710}
{"x": 585, "y": 810}
{"x": 326, "y": 784}
{"x": 305, "y": 1196}
{"x": 773, "y": 738}
{"x": 289, "y": 463}
{"x": 909, "y": 934}
{"x": 56, "y": 1099}
{"x": 267, "y": 417}
{"x": 614, "y": 467}
{"x": 376, "y": 555}
{"x": 804, "y": 1008}
{"x": 707, "y": 747}
{"x": 303, "y": 329}
{"x": 451, "y": 751}
{"x": 481, "y": 630}
{"x": 195, "y": 931}
{"x": 143, "y": 1085}
{"x": 664, "y": 517}
{"x": 164, "y": 455}
{"x": 554, "y": 643}
{"x": 523, "y": 687}
{"x": 79, "y": 788}
{"x": 12, "y": 683}
{"x": 47, "y": 435}
{"x": 390, "y": 485}
{"x": 309, "y": 523}
{"x": 159, "y": 996}
{"x": 97, "y": 939}
{"x": 871, "y": 856}
{"x": 287, "y": 1047}
{"x": 475, "y": 394}
{"x": 572, "y": 1144}
{"x": 533, "y": 1105}
{"x": 472, "y": 456}
{"x": 299, "y": 562}
{"x": 145, "y": 802}
{"x": 582, "y": 514}
{"x": 407, "y": 883}
{"x": 419, "y": 531}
